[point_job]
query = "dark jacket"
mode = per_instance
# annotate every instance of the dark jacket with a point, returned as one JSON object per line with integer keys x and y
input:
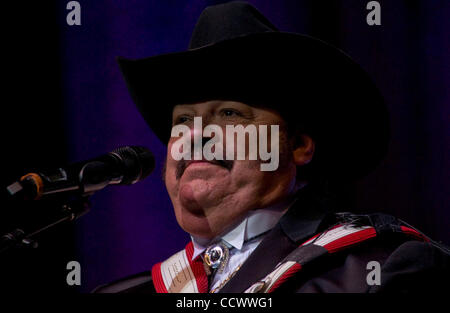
{"x": 406, "y": 265}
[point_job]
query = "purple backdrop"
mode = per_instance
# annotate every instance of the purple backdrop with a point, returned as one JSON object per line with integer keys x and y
{"x": 131, "y": 228}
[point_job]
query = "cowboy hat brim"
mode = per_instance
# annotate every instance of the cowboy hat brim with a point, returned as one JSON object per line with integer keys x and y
{"x": 310, "y": 83}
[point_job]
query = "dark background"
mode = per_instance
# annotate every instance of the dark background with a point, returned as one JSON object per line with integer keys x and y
{"x": 64, "y": 100}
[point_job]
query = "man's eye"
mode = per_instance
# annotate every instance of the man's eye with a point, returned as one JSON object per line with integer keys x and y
{"x": 230, "y": 112}
{"x": 182, "y": 119}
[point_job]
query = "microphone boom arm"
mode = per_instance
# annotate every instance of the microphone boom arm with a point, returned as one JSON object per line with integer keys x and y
{"x": 69, "y": 211}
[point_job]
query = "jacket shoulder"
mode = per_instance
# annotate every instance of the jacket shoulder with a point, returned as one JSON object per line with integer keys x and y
{"x": 416, "y": 266}
{"x": 413, "y": 265}
{"x": 137, "y": 283}
{"x": 406, "y": 263}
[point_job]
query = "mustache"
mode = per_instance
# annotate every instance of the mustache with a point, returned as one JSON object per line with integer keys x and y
{"x": 183, "y": 164}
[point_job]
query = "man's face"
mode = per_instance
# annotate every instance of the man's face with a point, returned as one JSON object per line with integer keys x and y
{"x": 211, "y": 197}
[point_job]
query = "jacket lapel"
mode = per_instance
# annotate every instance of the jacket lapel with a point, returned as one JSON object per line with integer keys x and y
{"x": 269, "y": 252}
{"x": 306, "y": 217}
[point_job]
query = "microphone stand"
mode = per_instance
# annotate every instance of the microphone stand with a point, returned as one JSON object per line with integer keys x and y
{"x": 69, "y": 211}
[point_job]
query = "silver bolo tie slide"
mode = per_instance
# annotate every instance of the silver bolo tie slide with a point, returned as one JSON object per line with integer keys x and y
{"x": 216, "y": 257}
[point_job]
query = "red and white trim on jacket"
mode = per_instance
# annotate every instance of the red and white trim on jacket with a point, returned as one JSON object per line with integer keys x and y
{"x": 180, "y": 274}
{"x": 336, "y": 239}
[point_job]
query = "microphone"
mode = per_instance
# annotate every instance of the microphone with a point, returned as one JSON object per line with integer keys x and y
{"x": 123, "y": 166}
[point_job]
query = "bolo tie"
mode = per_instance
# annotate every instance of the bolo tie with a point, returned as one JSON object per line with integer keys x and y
{"x": 217, "y": 255}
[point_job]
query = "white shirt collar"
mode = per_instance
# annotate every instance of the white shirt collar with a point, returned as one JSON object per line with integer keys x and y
{"x": 255, "y": 223}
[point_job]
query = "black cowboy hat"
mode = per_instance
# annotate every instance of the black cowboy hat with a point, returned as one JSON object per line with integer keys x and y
{"x": 235, "y": 53}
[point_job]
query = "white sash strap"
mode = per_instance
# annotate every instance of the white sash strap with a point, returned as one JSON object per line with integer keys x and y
{"x": 179, "y": 274}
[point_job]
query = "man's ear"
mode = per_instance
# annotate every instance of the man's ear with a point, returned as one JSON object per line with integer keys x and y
{"x": 303, "y": 150}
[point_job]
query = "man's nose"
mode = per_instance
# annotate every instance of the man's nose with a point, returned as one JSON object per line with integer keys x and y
{"x": 196, "y": 131}
{"x": 198, "y": 137}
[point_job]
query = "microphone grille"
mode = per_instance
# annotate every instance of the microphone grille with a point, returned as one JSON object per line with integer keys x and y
{"x": 138, "y": 163}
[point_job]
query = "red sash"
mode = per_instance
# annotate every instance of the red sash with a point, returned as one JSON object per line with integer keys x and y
{"x": 330, "y": 241}
{"x": 179, "y": 274}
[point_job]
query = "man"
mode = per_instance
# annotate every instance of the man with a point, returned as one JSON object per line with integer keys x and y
{"x": 277, "y": 230}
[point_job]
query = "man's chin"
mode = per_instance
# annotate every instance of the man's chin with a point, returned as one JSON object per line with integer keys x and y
{"x": 197, "y": 194}
{"x": 196, "y": 225}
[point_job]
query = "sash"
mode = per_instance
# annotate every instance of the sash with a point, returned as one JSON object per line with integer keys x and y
{"x": 330, "y": 241}
{"x": 181, "y": 274}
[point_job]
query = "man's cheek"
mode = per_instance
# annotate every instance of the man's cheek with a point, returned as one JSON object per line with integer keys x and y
{"x": 170, "y": 176}
{"x": 169, "y": 157}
